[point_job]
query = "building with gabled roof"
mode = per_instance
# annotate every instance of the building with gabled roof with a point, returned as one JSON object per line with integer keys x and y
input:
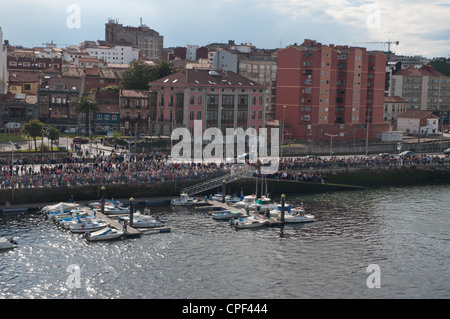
{"x": 221, "y": 99}
{"x": 418, "y": 122}
{"x": 424, "y": 89}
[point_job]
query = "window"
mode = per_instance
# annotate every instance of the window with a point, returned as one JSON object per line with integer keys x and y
{"x": 192, "y": 99}
{"x": 199, "y": 115}
{"x": 191, "y": 115}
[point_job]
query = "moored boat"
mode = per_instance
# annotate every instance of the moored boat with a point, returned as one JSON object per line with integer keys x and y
{"x": 246, "y": 201}
{"x": 226, "y": 215}
{"x": 292, "y": 214}
{"x": 262, "y": 204}
{"x": 184, "y": 200}
{"x": 143, "y": 220}
{"x": 58, "y": 208}
{"x": 106, "y": 233}
{"x": 6, "y": 243}
{"x": 87, "y": 224}
{"x": 249, "y": 222}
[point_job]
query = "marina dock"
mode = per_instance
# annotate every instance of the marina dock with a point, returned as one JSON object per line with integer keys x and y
{"x": 129, "y": 231}
{"x": 219, "y": 206}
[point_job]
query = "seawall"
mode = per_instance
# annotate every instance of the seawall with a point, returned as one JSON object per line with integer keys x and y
{"x": 337, "y": 180}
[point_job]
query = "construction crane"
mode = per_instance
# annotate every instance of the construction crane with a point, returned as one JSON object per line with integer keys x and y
{"x": 386, "y": 42}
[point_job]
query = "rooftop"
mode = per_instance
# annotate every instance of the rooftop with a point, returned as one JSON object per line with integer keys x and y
{"x": 425, "y": 70}
{"x": 415, "y": 114}
{"x": 394, "y": 99}
{"x": 206, "y": 77}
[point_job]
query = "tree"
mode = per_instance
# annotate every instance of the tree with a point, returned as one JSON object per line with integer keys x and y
{"x": 137, "y": 76}
{"x": 141, "y": 73}
{"x": 163, "y": 69}
{"x": 86, "y": 106}
{"x": 52, "y": 135}
{"x": 33, "y": 129}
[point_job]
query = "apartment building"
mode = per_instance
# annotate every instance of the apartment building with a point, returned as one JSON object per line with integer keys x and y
{"x": 116, "y": 54}
{"x": 147, "y": 40}
{"x": 424, "y": 89}
{"x": 328, "y": 91}
{"x": 393, "y": 107}
{"x": 262, "y": 69}
{"x": 221, "y": 99}
{"x": 134, "y": 111}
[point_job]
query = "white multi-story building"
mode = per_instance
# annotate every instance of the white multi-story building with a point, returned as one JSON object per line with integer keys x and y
{"x": 191, "y": 52}
{"x": 117, "y": 54}
{"x": 3, "y": 64}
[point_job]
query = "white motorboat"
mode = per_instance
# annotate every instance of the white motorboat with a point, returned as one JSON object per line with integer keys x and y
{"x": 106, "y": 233}
{"x": 217, "y": 197}
{"x": 6, "y": 243}
{"x": 292, "y": 215}
{"x": 71, "y": 213}
{"x": 226, "y": 215}
{"x": 112, "y": 207}
{"x": 114, "y": 210}
{"x": 277, "y": 209}
{"x": 143, "y": 220}
{"x": 58, "y": 208}
{"x": 184, "y": 200}
{"x": 247, "y": 201}
{"x": 65, "y": 224}
{"x": 262, "y": 204}
{"x": 298, "y": 215}
{"x": 87, "y": 224}
{"x": 249, "y": 222}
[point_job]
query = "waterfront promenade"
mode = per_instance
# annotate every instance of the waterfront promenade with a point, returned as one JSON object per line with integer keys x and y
{"x": 115, "y": 169}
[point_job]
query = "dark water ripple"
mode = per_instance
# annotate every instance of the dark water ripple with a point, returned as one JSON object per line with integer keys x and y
{"x": 406, "y": 231}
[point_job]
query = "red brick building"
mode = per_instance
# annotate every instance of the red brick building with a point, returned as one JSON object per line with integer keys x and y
{"x": 327, "y": 90}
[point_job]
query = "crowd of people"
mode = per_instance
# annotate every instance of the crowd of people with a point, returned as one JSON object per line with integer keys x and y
{"x": 121, "y": 168}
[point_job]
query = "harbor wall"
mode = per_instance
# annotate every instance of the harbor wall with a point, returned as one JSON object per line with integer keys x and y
{"x": 336, "y": 180}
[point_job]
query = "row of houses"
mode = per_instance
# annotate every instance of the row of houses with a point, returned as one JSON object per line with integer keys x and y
{"x": 312, "y": 91}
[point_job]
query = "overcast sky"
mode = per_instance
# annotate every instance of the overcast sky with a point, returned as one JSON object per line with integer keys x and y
{"x": 421, "y": 27}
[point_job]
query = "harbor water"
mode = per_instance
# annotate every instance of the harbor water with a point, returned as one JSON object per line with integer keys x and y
{"x": 404, "y": 231}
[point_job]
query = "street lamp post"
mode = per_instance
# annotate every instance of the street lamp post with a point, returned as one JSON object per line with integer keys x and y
{"x": 331, "y": 144}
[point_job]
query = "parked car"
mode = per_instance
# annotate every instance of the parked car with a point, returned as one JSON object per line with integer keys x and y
{"x": 71, "y": 130}
{"x": 447, "y": 151}
{"x": 407, "y": 154}
{"x": 384, "y": 155}
{"x": 80, "y": 140}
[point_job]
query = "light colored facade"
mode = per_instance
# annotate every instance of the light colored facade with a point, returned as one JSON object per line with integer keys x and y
{"x": 393, "y": 107}
{"x": 191, "y": 52}
{"x": 116, "y": 54}
{"x": 264, "y": 72}
{"x": 225, "y": 61}
{"x": 423, "y": 89}
{"x": 413, "y": 122}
